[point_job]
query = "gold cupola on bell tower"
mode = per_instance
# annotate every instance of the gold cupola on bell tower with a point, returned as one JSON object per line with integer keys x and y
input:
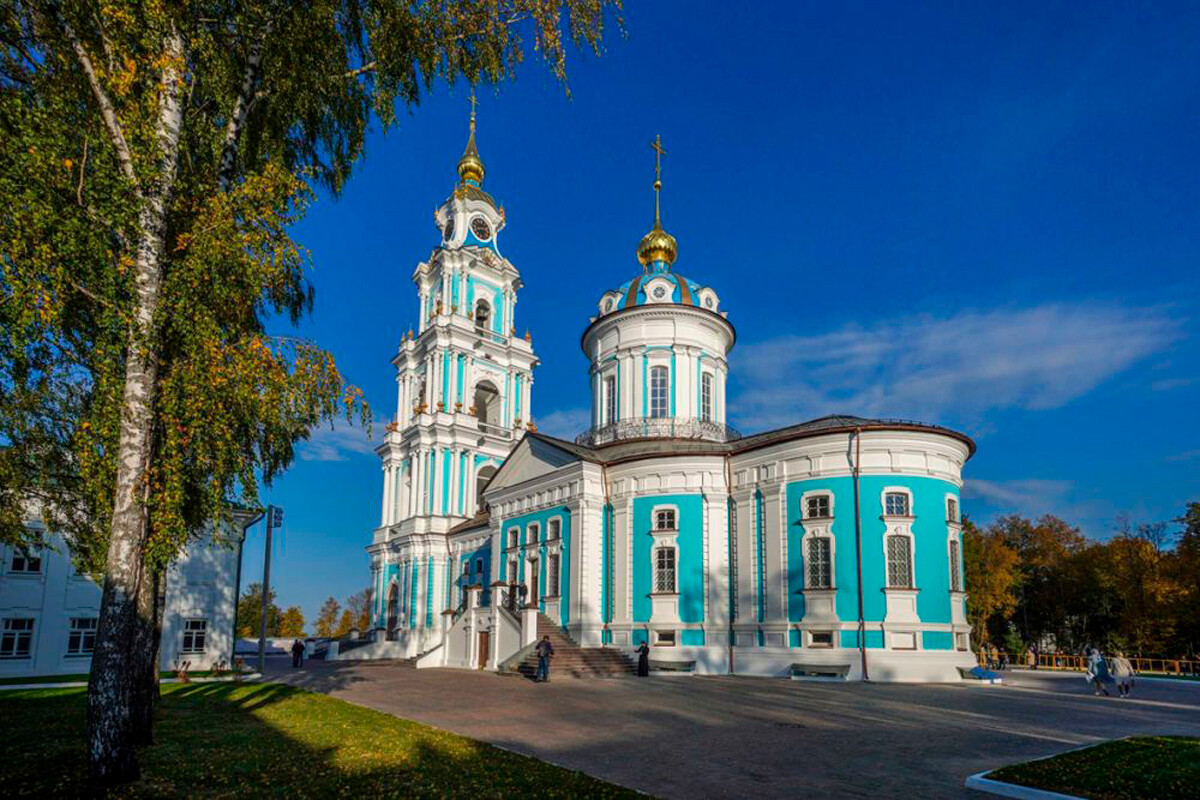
{"x": 657, "y": 245}
{"x": 470, "y": 166}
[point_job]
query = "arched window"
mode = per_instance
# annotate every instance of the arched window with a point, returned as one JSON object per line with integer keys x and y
{"x": 483, "y": 315}
{"x": 481, "y": 480}
{"x": 532, "y": 536}
{"x": 706, "y": 397}
{"x": 487, "y": 403}
{"x": 899, "y": 558}
{"x": 955, "y": 570}
{"x": 393, "y": 608}
{"x": 659, "y": 379}
{"x": 820, "y": 572}
{"x": 610, "y": 401}
{"x": 552, "y": 575}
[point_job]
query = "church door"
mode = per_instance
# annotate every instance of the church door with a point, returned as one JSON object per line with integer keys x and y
{"x": 484, "y": 648}
{"x": 393, "y": 609}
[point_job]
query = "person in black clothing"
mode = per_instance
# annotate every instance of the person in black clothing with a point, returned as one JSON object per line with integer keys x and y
{"x": 643, "y": 668}
{"x": 297, "y": 653}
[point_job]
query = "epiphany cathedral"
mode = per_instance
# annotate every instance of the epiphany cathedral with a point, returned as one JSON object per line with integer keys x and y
{"x": 830, "y": 548}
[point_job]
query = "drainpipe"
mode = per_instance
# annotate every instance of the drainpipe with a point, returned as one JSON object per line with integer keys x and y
{"x": 728, "y": 553}
{"x": 606, "y": 530}
{"x": 862, "y": 624}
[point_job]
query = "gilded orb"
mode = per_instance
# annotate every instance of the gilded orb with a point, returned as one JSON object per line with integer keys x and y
{"x": 657, "y": 245}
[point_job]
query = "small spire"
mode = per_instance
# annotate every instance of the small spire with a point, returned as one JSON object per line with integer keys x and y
{"x": 659, "y": 152}
{"x": 657, "y": 247}
{"x": 470, "y": 166}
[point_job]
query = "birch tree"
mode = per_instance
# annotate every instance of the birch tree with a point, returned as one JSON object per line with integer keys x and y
{"x": 154, "y": 156}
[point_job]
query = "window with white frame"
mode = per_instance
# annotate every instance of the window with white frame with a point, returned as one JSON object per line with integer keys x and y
{"x": 820, "y": 639}
{"x": 553, "y": 530}
{"x": 81, "y": 639}
{"x": 733, "y": 560}
{"x": 664, "y": 519}
{"x": 955, "y": 570}
{"x": 817, "y": 506}
{"x": 610, "y": 401}
{"x": 706, "y": 397}
{"x": 25, "y": 563}
{"x": 479, "y": 566}
{"x": 552, "y": 574}
{"x": 16, "y": 637}
{"x": 664, "y": 638}
{"x": 512, "y": 571}
{"x": 820, "y": 570}
{"x": 658, "y": 391}
{"x": 512, "y": 538}
{"x": 534, "y": 531}
{"x": 899, "y": 557}
{"x": 895, "y": 504}
{"x": 664, "y": 570}
{"x": 195, "y": 635}
{"x": 951, "y": 510}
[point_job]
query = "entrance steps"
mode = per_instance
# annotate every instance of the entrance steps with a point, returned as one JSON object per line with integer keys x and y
{"x": 571, "y": 659}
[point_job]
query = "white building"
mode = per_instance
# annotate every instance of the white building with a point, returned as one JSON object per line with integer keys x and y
{"x": 831, "y": 547}
{"x": 48, "y": 611}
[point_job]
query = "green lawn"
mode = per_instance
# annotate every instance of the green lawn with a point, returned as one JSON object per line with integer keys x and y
{"x": 1161, "y": 767}
{"x": 248, "y": 740}
{"x": 83, "y": 676}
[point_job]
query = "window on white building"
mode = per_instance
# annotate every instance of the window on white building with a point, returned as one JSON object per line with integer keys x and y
{"x": 899, "y": 557}
{"x": 820, "y": 573}
{"x": 706, "y": 397}
{"x": 955, "y": 571}
{"x": 610, "y": 401}
{"x": 16, "y": 637}
{"x": 534, "y": 530}
{"x": 820, "y": 639}
{"x": 664, "y": 570}
{"x": 658, "y": 391}
{"x": 664, "y": 519}
{"x": 733, "y": 560}
{"x": 552, "y": 575}
{"x": 664, "y": 638}
{"x": 512, "y": 571}
{"x": 896, "y": 504}
{"x": 817, "y": 506}
{"x": 512, "y": 538}
{"x": 553, "y": 530}
{"x": 951, "y": 510}
{"x": 195, "y": 635}
{"x": 81, "y": 639}
{"x": 25, "y": 563}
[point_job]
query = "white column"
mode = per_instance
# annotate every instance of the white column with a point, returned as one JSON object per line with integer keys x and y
{"x": 418, "y": 486}
{"x": 387, "y": 482}
{"x": 527, "y": 401}
{"x": 455, "y": 461}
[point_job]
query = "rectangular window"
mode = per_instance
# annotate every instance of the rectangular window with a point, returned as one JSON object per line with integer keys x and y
{"x": 533, "y": 534}
{"x": 479, "y": 566}
{"x": 664, "y": 570}
{"x": 195, "y": 635}
{"x": 664, "y": 638}
{"x": 817, "y": 506}
{"x": 899, "y": 553}
{"x": 951, "y": 510}
{"x": 896, "y": 504}
{"x": 664, "y": 519}
{"x": 512, "y": 538}
{"x": 820, "y": 639}
{"x": 553, "y": 530}
{"x": 25, "y": 563}
{"x": 706, "y": 396}
{"x": 81, "y": 640}
{"x": 512, "y": 572}
{"x": 552, "y": 574}
{"x": 960, "y": 641}
{"x": 955, "y": 572}
{"x": 16, "y": 637}
{"x": 820, "y": 576}
{"x": 733, "y": 560}
{"x": 658, "y": 392}
{"x": 610, "y": 401}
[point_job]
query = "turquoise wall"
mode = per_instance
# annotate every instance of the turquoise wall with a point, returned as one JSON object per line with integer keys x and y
{"x": 938, "y": 640}
{"x": 541, "y": 518}
{"x": 931, "y": 560}
{"x": 689, "y": 560}
{"x": 474, "y": 574}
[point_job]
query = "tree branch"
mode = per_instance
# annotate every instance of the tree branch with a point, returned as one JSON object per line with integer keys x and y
{"x": 82, "y": 169}
{"x": 107, "y": 112}
{"x": 241, "y": 109}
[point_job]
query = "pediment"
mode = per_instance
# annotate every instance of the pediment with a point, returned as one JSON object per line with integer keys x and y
{"x": 533, "y": 457}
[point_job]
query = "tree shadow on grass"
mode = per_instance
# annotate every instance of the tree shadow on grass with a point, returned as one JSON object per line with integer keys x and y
{"x": 250, "y": 740}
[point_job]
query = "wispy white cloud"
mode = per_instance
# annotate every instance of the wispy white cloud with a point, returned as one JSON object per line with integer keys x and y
{"x": 927, "y": 367}
{"x": 1186, "y": 455}
{"x": 339, "y": 442}
{"x": 1167, "y": 384}
{"x": 565, "y": 423}
{"x": 1027, "y": 496}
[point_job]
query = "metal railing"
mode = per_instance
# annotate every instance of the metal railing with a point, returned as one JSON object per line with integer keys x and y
{"x": 1076, "y": 663}
{"x": 658, "y": 427}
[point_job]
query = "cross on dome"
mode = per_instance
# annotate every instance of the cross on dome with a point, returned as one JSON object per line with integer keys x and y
{"x": 657, "y": 250}
{"x": 470, "y": 166}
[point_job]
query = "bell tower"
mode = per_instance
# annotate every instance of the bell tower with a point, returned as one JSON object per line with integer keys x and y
{"x": 464, "y": 382}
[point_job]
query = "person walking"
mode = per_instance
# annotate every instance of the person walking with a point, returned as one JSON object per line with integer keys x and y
{"x": 643, "y": 668}
{"x": 1098, "y": 674}
{"x": 1122, "y": 671}
{"x": 545, "y": 651}
{"x": 297, "y": 653}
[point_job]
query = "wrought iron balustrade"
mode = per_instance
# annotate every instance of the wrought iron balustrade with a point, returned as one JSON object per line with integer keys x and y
{"x": 658, "y": 427}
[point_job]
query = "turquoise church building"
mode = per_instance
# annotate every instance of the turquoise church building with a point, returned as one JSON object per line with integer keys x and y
{"x": 831, "y": 548}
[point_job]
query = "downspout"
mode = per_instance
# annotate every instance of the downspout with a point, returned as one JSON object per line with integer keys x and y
{"x": 606, "y": 531}
{"x": 729, "y": 570}
{"x": 862, "y": 623}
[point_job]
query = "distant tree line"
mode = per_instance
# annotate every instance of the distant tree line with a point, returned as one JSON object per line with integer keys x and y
{"x": 1044, "y": 583}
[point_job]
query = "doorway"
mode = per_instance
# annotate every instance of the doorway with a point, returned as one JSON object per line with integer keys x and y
{"x": 485, "y": 640}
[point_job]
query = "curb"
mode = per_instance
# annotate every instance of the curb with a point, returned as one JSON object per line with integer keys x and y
{"x": 980, "y": 783}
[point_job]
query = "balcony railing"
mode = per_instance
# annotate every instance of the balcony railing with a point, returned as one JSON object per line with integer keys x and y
{"x": 658, "y": 428}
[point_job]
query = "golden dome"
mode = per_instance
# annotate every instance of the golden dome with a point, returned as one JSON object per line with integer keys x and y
{"x": 470, "y": 166}
{"x": 657, "y": 245}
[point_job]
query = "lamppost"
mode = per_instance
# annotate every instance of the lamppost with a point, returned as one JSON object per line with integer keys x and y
{"x": 274, "y": 520}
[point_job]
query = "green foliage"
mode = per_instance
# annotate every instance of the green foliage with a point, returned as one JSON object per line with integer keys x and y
{"x": 251, "y": 740}
{"x": 249, "y": 614}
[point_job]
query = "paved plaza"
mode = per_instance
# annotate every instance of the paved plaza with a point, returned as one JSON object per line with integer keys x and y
{"x": 688, "y": 737}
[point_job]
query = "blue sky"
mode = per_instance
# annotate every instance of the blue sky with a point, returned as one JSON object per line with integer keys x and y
{"x": 974, "y": 215}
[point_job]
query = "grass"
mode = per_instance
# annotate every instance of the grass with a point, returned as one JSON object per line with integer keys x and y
{"x": 83, "y": 676}
{"x": 1162, "y": 767}
{"x": 248, "y": 740}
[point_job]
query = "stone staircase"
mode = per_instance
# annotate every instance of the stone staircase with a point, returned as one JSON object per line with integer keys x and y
{"x": 572, "y": 660}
